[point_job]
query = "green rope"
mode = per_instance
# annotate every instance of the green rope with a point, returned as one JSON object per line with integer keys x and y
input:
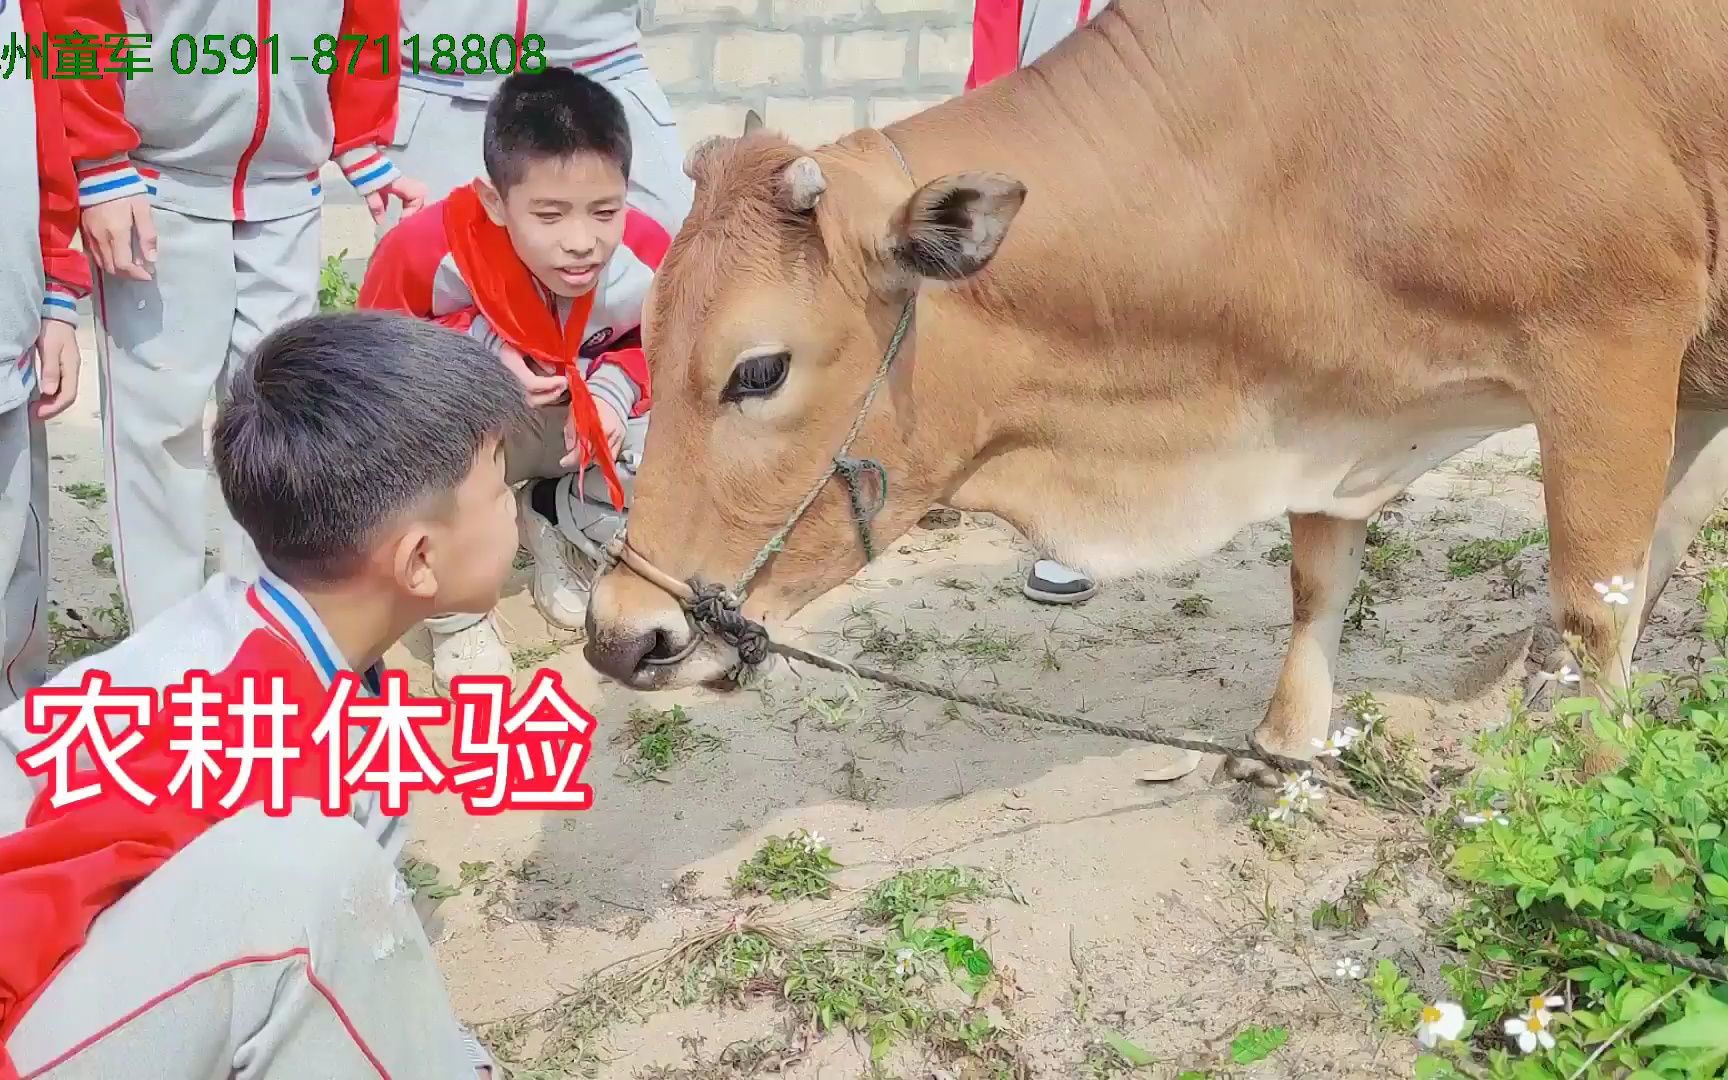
{"x": 778, "y": 540}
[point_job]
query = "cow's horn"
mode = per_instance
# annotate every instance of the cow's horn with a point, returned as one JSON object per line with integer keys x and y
{"x": 693, "y": 160}
{"x": 804, "y": 183}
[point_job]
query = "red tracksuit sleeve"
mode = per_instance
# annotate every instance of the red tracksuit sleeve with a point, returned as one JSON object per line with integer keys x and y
{"x": 400, "y": 274}
{"x": 94, "y": 110}
{"x": 66, "y": 270}
{"x": 633, "y": 362}
{"x": 995, "y": 40}
{"x": 363, "y": 100}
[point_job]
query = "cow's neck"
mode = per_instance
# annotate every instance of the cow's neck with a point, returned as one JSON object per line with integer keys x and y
{"x": 1081, "y": 434}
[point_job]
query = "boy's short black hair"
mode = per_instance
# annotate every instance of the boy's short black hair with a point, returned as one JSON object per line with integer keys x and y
{"x": 551, "y": 115}
{"x": 340, "y": 422}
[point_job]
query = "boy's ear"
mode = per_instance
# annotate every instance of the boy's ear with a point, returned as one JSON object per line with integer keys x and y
{"x": 491, "y": 200}
{"x": 411, "y": 564}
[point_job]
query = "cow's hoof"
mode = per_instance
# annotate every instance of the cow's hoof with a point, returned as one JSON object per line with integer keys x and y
{"x": 1556, "y": 677}
{"x": 1248, "y": 770}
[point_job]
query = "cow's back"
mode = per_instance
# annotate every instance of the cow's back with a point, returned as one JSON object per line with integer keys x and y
{"x": 1322, "y": 183}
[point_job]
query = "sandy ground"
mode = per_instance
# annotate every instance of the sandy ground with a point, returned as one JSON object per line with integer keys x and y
{"x": 1149, "y": 909}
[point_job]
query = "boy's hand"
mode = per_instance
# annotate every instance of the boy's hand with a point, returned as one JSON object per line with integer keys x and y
{"x": 57, "y": 364}
{"x": 108, "y": 231}
{"x": 412, "y": 193}
{"x": 610, "y": 422}
{"x": 542, "y": 389}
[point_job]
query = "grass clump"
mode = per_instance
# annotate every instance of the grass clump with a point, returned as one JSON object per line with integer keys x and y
{"x": 795, "y": 866}
{"x": 927, "y": 891}
{"x": 903, "y": 973}
{"x": 1475, "y": 556}
{"x": 73, "y": 635}
{"x": 662, "y": 738}
{"x": 1386, "y": 551}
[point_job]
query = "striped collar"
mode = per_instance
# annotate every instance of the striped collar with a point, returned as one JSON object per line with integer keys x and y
{"x": 288, "y": 613}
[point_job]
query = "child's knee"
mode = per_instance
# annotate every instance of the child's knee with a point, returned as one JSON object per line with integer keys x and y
{"x": 308, "y": 875}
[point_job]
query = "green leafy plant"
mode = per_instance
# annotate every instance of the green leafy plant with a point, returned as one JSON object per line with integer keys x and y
{"x": 1395, "y": 1004}
{"x": 336, "y": 290}
{"x": 787, "y": 867}
{"x": 1474, "y": 556}
{"x": 1254, "y": 1043}
{"x": 1613, "y": 810}
{"x": 662, "y": 738}
{"x": 924, "y": 891}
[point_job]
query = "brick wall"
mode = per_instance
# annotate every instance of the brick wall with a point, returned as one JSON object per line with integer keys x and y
{"x": 814, "y": 69}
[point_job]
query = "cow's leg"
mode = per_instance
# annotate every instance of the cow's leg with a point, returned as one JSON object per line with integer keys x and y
{"x": 1697, "y": 479}
{"x": 1325, "y": 561}
{"x": 1607, "y": 443}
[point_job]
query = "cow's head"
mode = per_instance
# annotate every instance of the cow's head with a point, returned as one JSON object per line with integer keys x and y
{"x": 767, "y": 322}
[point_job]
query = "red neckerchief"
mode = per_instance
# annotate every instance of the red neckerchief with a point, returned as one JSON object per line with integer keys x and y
{"x": 509, "y": 297}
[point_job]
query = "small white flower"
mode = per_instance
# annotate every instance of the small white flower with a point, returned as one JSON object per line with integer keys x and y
{"x": 814, "y": 842}
{"x": 1370, "y": 716}
{"x": 1335, "y": 743}
{"x": 903, "y": 962}
{"x": 1442, "y": 1020}
{"x": 1531, "y": 1031}
{"x": 1298, "y": 796}
{"x": 1615, "y": 591}
{"x": 1348, "y": 968}
{"x": 1567, "y": 675}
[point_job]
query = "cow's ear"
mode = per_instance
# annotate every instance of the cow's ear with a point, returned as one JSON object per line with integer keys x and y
{"x": 951, "y": 228}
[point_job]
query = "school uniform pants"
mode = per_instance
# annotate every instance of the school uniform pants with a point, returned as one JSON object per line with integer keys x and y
{"x": 167, "y": 346}
{"x": 532, "y": 452}
{"x": 23, "y": 553}
{"x": 266, "y": 949}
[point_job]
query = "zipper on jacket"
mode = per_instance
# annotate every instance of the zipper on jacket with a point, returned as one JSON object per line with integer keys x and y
{"x": 262, "y": 127}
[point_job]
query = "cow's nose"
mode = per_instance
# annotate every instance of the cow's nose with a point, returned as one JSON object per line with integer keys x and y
{"x": 622, "y": 655}
{"x": 632, "y": 624}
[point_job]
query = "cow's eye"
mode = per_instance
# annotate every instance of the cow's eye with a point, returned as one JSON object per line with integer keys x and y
{"x": 757, "y": 376}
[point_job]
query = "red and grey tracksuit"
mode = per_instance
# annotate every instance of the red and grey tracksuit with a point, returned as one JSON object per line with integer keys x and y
{"x": 144, "y": 943}
{"x": 1009, "y": 34}
{"x": 41, "y": 277}
{"x": 230, "y": 165}
{"x": 414, "y": 272}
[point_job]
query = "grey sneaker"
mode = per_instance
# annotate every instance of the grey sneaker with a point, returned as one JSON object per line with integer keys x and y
{"x": 473, "y": 650}
{"x": 560, "y": 589}
{"x": 1049, "y": 582}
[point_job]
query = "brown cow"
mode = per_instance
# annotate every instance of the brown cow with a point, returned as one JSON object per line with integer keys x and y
{"x": 1202, "y": 264}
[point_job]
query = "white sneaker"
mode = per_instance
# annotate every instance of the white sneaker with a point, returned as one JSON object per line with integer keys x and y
{"x": 473, "y": 650}
{"x": 560, "y": 590}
